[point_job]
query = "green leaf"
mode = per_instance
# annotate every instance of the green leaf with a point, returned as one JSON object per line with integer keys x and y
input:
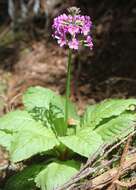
{"x": 24, "y": 180}
{"x": 16, "y": 121}
{"x": 56, "y": 174}
{"x": 60, "y": 126}
{"x": 85, "y": 142}
{"x": 52, "y": 118}
{"x": 117, "y": 128}
{"x": 42, "y": 98}
{"x": 5, "y": 139}
{"x": 27, "y": 133}
{"x": 31, "y": 142}
{"x": 86, "y": 119}
{"x": 106, "y": 109}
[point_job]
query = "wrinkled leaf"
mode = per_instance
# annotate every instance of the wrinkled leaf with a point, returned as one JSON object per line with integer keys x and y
{"x": 86, "y": 119}
{"x": 16, "y": 121}
{"x": 31, "y": 142}
{"x": 117, "y": 128}
{"x": 86, "y": 142}
{"x": 42, "y": 98}
{"x": 106, "y": 109}
{"x": 56, "y": 174}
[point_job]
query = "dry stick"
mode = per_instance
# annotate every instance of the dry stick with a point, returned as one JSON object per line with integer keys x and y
{"x": 84, "y": 172}
{"x": 103, "y": 178}
{"x": 107, "y": 177}
{"x": 12, "y": 101}
{"x": 127, "y": 184}
{"x": 91, "y": 159}
{"x": 84, "y": 185}
{"x": 116, "y": 145}
{"x": 123, "y": 158}
{"x": 98, "y": 168}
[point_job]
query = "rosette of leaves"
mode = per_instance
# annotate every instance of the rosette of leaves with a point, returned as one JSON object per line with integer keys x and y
{"x": 40, "y": 130}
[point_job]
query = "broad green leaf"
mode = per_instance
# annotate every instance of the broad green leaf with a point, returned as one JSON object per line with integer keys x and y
{"x": 42, "y": 98}
{"x": 5, "y": 139}
{"x": 106, "y": 109}
{"x": 24, "y": 180}
{"x": 31, "y": 142}
{"x": 51, "y": 118}
{"x": 85, "y": 142}
{"x": 86, "y": 119}
{"x": 117, "y": 128}
{"x": 56, "y": 174}
{"x": 60, "y": 126}
{"x": 16, "y": 121}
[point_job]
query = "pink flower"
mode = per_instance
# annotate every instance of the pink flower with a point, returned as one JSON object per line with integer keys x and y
{"x": 85, "y": 30}
{"x": 62, "y": 41}
{"x": 73, "y": 29}
{"x": 68, "y": 29}
{"x": 89, "y": 42}
{"x": 73, "y": 44}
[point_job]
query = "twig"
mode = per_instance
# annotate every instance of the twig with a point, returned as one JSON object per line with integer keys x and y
{"x": 127, "y": 184}
{"x": 93, "y": 158}
{"x": 13, "y": 100}
{"x": 116, "y": 145}
{"x": 113, "y": 80}
{"x": 86, "y": 170}
{"x": 107, "y": 177}
{"x": 15, "y": 97}
{"x": 123, "y": 158}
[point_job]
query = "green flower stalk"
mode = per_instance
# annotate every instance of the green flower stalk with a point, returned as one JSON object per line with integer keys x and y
{"x": 68, "y": 84}
{"x": 72, "y": 31}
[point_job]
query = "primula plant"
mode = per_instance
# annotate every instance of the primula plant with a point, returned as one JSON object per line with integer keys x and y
{"x": 48, "y": 136}
{"x": 73, "y": 30}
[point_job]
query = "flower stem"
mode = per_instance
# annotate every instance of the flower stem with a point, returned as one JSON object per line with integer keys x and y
{"x": 68, "y": 85}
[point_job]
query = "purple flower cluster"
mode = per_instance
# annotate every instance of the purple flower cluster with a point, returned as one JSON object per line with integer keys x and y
{"x": 73, "y": 31}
